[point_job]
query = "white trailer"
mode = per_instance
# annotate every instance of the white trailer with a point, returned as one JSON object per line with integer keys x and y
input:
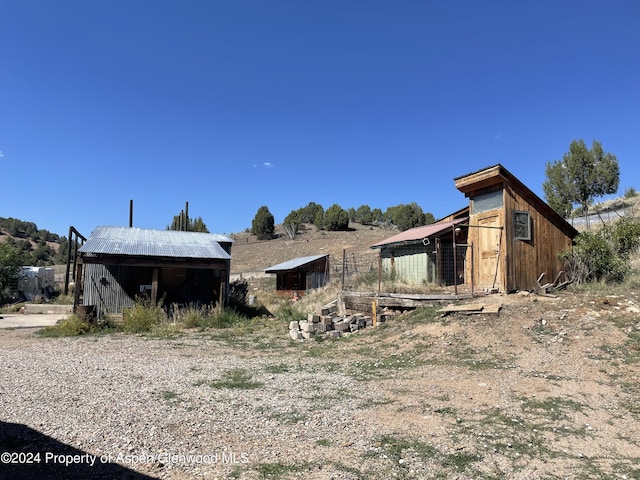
{"x": 33, "y": 281}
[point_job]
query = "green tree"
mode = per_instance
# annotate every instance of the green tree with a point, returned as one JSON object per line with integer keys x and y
{"x": 377, "y": 215}
{"x": 291, "y": 224}
{"x": 406, "y": 216}
{"x": 582, "y": 175}
{"x": 363, "y": 215}
{"x": 10, "y": 261}
{"x": 336, "y": 218}
{"x": 183, "y": 222}
{"x": 311, "y": 213}
{"x": 262, "y": 225}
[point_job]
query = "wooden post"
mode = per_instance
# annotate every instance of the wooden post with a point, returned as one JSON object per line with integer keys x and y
{"x": 66, "y": 277}
{"x": 154, "y": 286}
{"x": 379, "y": 270}
{"x": 344, "y": 265}
{"x": 374, "y": 313}
{"x": 79, "y": 287}
{"x": 472, "y": 269}
{"x": 455, "y": 262}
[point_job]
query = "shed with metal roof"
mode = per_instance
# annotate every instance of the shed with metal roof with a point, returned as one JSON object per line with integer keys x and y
{"x": 504, "y": 240}
{"x": 116, "y": 265}
{"x": 425, "y": 254}
{"x": 302, "y": 273}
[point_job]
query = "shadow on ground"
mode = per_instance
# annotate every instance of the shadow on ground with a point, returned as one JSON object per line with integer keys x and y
{"x": 20, "y": 445}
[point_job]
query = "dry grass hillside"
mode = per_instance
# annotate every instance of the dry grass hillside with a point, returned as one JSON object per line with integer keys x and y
{"x": 249, "y": 254}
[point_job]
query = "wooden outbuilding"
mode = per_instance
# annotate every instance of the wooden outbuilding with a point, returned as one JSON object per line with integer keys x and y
{"x": 516, "y": 236}
{"x": 117, "y": 265}
{"x": 503, "y": 241}
{"x": 427, "y": 254}
{"x": 301, "y": 274}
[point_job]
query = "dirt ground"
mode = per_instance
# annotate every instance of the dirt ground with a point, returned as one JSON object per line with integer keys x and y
{"x": 548, "y": 388}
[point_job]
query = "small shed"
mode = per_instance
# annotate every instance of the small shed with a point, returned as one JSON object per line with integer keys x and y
{"x": 302, "y": 273}
{"x": 427, "y": 254}
{"x": 516, "y": 236}
{"x": 116, "y": 265}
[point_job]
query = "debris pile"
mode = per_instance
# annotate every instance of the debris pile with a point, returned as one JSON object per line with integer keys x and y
{"x": 327, "y": 322}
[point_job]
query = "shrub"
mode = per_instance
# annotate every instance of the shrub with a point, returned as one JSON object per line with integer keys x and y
{"x": 71, "y": 326}
{"x": 604, "y": 255}
{"x": 143, "y": 316}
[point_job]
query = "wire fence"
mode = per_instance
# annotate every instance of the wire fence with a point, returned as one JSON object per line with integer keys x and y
{"x": 437, "y": 267}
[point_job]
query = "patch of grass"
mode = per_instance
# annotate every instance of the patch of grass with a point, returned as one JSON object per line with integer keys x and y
{"x": 404, "y": 452}
{"x": 268, "y": 471}
{"x": 323, "y": 442}
{"x": 290, "y": 417}
{"x": 289, "y": 313}
{"x": 71, "y": 326}
{"x": 554, "y": 408}
{"x": 237, "y": 378}
{"x": 459, "y": 460}
{"x": 396, "y": 447}
{"x": 278, "y": 368}
{"x": 170, "y": 396}
{"x": 384, "y": 367}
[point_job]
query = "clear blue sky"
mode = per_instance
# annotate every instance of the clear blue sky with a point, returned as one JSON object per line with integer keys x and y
{"x": 231, "y": 105}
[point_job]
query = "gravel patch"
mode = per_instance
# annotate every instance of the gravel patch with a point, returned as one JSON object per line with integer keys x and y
{"x": 506, "y": 396}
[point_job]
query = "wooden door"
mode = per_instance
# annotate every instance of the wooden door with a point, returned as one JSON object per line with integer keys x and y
{"x": 489, "y": 246}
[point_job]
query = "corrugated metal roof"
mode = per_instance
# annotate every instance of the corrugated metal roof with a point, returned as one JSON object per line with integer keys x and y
{"x": 293, "y": 263}
{"x": 418, "y": 233}
{"x": 155, "y": 243}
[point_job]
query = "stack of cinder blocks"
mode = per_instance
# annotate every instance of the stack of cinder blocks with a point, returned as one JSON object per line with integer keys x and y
{"x": 328, "y": 322}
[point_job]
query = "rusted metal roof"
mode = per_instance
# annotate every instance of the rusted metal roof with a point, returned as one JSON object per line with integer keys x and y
{"x": 293, "y": 263}
{"x": 155, "y": 243}
{"x": 419, "y": 233}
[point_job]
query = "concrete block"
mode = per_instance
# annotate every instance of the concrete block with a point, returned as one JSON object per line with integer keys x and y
{"x": 307, "y": 335}
{"x": 313, "y": 318}
{"x": 326, "y": 319}
{"x": 307, "y": 327}
{"x": 333, "y": 334}
{"x": 294, "y": 326}
{"x": 295, "y": 334}
{"x": 324, "y": 311}
{"x": 341, "y": 326}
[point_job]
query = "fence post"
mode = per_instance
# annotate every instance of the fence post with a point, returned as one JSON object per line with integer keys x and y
{"x": 379, "y": 271}
{"x": 374, "y": 313}
{"x": 344, "y": 264}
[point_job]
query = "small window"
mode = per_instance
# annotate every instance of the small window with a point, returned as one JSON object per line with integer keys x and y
{"x": 521, "y": 226}
{"x": 487, "y": 201}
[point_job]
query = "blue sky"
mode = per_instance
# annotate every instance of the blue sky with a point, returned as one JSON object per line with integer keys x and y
{"x": 233, "y": 105}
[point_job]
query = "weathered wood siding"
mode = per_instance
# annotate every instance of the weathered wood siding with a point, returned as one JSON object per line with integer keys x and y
{"x": 527, "y": 259}
{"x": 519, "y": 261}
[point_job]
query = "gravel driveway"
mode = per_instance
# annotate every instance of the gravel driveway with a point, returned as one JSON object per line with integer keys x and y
{"x": 540, "y": 391}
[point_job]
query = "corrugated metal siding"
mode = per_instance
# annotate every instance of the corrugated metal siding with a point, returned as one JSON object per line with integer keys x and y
{"x": 108, "y": 296}
{"x": 412, "y": 264}
{"x": 155, "y": 243}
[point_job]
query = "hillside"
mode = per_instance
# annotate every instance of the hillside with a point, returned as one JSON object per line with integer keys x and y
{"x": 249, "y": 254}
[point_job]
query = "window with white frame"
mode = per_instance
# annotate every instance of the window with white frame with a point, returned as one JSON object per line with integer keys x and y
{"x": 521, "y": 225}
